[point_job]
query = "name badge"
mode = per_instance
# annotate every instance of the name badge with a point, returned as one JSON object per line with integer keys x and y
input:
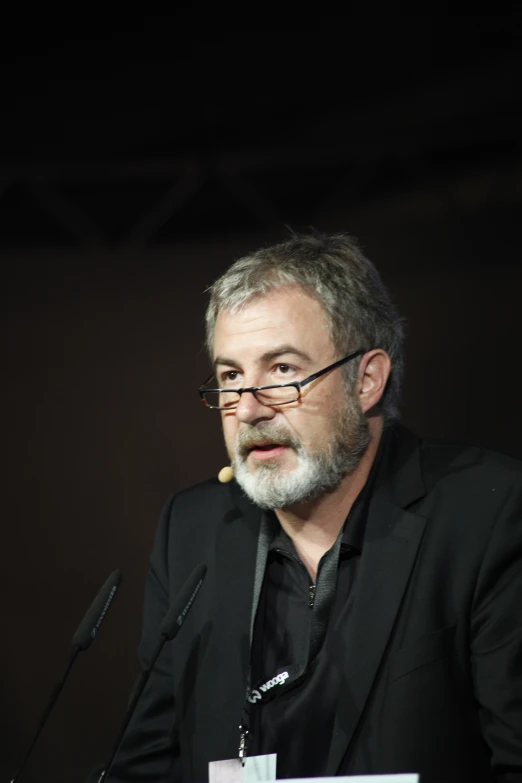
{"x": 254, "y": 770}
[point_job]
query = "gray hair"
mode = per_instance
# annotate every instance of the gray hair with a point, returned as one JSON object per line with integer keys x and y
{"x": 333, "y": 270}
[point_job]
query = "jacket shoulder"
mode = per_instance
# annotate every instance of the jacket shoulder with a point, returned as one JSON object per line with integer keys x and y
{"x": 201, "y": 492}
{"x": 469, "y": 478}
{"x": 196, "y": 510}
{"x": 441, "y": 458}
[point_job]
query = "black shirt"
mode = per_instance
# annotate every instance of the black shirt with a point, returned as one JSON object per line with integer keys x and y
{"x": 296, "y": 723}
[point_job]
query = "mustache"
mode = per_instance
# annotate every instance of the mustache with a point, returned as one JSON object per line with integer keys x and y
{"x": 247, "y": 439}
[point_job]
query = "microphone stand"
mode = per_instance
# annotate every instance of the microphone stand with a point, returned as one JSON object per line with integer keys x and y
{"x": 140, "y": 687}
{"x": 50, "y": 704}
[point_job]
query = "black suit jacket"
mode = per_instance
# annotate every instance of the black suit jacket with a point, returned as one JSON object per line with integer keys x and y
{"x": 432, "y": 674}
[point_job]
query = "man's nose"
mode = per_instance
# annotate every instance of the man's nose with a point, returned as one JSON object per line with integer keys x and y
{"x": 250, "y": 410}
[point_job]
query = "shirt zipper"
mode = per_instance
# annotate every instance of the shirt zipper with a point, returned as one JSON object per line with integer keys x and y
{"x": 311, "y": 587}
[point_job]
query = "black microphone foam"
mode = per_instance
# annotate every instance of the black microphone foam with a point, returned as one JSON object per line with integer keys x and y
{"x": 82, "y": 640}
{"x": 179, "y": 608}
{"x": 90, "y": 625}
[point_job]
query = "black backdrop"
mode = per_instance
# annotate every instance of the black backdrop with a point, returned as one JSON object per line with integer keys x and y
{"x": 104, "y": 339}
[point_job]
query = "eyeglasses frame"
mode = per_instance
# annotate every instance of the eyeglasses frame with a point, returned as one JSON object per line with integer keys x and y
{"x": 254, "y": 389}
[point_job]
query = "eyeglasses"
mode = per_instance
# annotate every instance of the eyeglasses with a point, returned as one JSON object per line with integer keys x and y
{"x": 279, "y": 394}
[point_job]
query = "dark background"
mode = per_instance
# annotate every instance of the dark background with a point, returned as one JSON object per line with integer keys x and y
{"x": 138, "y": 158}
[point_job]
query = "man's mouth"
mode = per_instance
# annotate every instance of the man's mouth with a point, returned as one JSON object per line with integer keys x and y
{"x": 266, "y": 450}
{"x": 264, "y": 445}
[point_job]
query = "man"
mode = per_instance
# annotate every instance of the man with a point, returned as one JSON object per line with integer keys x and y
{"x": 361, "y": 612}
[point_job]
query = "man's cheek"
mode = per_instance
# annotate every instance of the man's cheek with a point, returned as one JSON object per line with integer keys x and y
{"x": 229, "y": 434}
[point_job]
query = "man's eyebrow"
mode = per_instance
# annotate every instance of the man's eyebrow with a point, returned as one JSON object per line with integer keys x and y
{"x": 224, "y": 360}
{"x": 280, "y": 350}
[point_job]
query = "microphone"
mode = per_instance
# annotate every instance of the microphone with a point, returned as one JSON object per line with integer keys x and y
{"x": 226, "y": 474}
{"x": 95, "y": 615}
{"x": 169, "y": 629}
{"x": 82, "y": 640}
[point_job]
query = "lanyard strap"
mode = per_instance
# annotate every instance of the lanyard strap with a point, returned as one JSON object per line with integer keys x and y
{"x": 288, "y": 676}
{"x": 263, "y": 545}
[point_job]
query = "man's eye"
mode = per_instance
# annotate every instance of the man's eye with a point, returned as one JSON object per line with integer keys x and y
{"x": 230, "y": 376}
{"x": 284, "y": 369}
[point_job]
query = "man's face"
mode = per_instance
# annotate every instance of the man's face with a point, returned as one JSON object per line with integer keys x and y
{"x": 286, "y": 454}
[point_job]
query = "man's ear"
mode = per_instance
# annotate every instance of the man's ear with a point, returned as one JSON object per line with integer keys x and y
{"x": 374, "y": 371}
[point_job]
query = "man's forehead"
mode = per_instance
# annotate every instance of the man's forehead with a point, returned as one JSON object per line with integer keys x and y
{"x": 282, "y": 317}
{"x": 290, "y": 303}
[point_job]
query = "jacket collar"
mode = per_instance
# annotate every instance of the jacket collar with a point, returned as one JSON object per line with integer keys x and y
{"x": 392, "y": 539}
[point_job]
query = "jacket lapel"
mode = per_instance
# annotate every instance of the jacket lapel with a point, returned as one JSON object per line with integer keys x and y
{"x": 392, "y": 539}
{"x": 222, "y": 681}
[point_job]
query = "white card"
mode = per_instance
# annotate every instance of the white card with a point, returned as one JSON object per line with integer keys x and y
{"x": 405, "y": 777}
{"x": 260, "y": 768}
{"x": 256, "y": 769}
{"x": 227, "y": 771}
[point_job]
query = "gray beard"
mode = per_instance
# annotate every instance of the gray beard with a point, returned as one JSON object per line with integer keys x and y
{"x": 316, "y": 474}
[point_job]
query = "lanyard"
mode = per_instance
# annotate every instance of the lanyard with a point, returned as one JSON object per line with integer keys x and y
{"x": 289, "y": 676}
